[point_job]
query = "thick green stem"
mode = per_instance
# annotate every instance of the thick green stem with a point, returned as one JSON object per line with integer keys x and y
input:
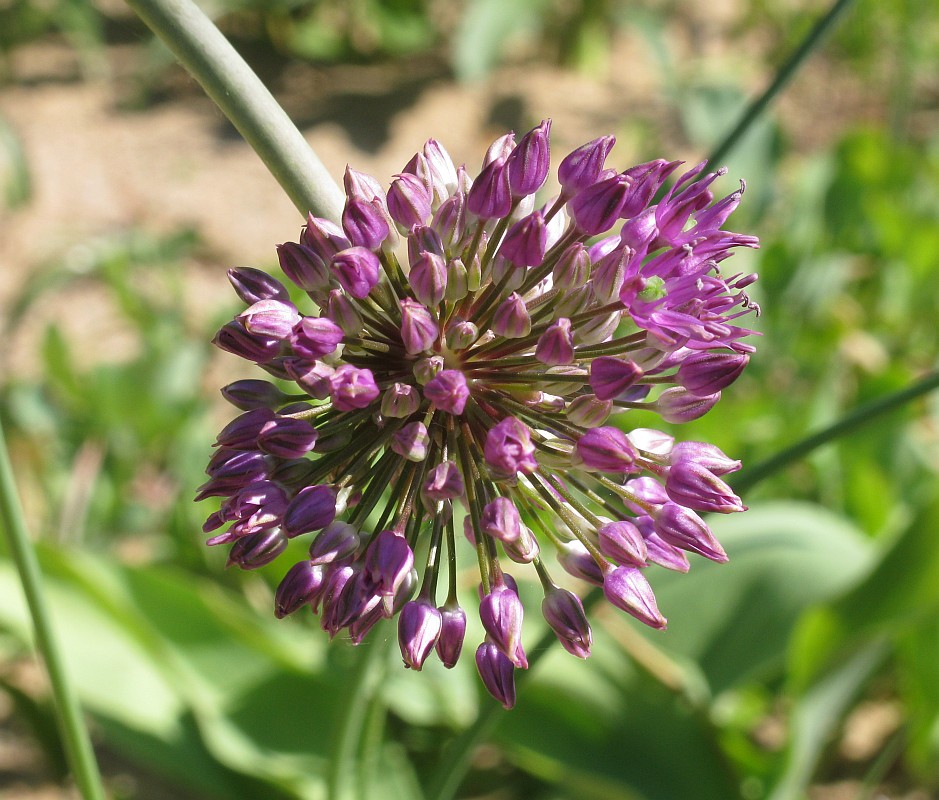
{"x": 238, "y": 92}
{"x": 78, "y": 750}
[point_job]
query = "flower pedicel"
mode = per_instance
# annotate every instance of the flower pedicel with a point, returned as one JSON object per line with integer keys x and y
{"x": 469, "y": 350}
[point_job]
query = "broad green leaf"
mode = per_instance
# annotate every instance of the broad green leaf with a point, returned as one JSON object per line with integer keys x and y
{"x": 735, "y": 619}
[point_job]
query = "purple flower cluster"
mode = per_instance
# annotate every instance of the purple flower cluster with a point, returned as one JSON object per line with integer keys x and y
{"x": 470, "y": 349}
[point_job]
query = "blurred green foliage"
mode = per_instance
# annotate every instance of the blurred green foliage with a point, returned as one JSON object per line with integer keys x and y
{"x": 832, "y": 596}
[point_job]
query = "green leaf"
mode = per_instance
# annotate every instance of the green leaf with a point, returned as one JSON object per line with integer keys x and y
{"x": 735, "y": 619}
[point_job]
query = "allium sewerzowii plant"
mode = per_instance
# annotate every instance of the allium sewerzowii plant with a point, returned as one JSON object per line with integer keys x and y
{"x": 458, "y": 366}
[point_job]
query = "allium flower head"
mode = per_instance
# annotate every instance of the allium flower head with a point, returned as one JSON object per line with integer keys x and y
{"x": 471, "y": 347}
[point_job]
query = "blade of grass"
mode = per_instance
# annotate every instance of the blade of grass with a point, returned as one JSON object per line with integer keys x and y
{"x": 783, "y": 75}
{"x": 75, "y": 739}
{"x": 239, "y": 93}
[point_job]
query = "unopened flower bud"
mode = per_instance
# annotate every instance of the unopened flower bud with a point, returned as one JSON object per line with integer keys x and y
{"x": 411, "y": 441}
{"x": 452, "y": 631}
{"x": 313, "y": 508}
{"x": 448, "y": 391}
{"x": 622, "y": 542}
{"x": 611, "y": 376}
{"x": 253, "y": 285}
{"x": 419, "y": 626}
{"x": 556, "y": 345}
{"x": 251, "y": 393}
{"x": 419, "y": 329}
{"x": 572, "y": 268}
{"x": 677, "y": 405}
{"x": 428, "y": 279}
{"x": 512, "y": 319}
{"x": 408, "y": 201}
{"x": 351, "y": 387}
{"x": 461, "y": 334}
{"x": 606, "y": 449}
{"x": 336, "y": 542}
{"x": 525, "y": 243}
{"x": 299, "y": 587}
{"x": 497, "y": 673}
{"x": 399, "y": 401}
{"x": 564, "y": 612}
{"x": 627, "y": 589}
{"x": 580, "y": 168}
{"x": 529, "y": 162}
{"x": 589, "y": 411}
{"x": 357, "y": 270}
{"x": 705, "y": 373}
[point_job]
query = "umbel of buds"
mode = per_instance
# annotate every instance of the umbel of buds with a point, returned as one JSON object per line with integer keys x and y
{"x": 463, "y": 353}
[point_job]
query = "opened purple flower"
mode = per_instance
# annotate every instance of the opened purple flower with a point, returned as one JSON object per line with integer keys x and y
{"x": 469, "y": 352}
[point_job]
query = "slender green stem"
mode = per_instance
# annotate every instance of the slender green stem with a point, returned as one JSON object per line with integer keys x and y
{"x": 860, "y": 416}
{"x": 783, "y": 75}
{"x": 343, "y": 769}
{"x": 77, "y": 743}
{"x": 238, "y": 92}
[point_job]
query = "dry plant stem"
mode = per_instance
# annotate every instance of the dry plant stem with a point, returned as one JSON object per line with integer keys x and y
{"x": 238, "y": 92}
{"x": 75, "y": 739}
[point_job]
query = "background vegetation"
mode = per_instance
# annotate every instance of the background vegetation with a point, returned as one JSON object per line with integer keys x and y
{"x": 809, "y": 666}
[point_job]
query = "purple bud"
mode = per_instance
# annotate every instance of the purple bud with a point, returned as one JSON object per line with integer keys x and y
{"x": 365, "y": 223}
{"x": 428, "y": 278}
{"x": 681, "y": 527}
{"x": 324, "y": 237}
{"x": 443, "y": 176}
{"x": 388, "y": 561}
{"x": 411, "y": 442}
{"x": 645, "y": 181}
{"x": 423, "y": 239}
{"x": 525, "y": 243}
{"x": 622, "y": 542}
{"x": 572, "y": 268}
{"x": 610, "y": 376}
{"x": 448, "y": 391}
{"x": 351, "y": 388}
{"x": 556, "y": 345}
{"x": 509, "y": 449}
{"x": 242, "y": 432}
{"x": 234, "y": 338}
{"x": 419, "y": 329}
{"x": 303, "y": 266}
{"x": 315, "y": 337}
{"x": 257, "y": 549}
{"x": 627, "y": 589}
{"x": 452, "y": 632}
{"x": 357, "y": 270}
{"x": 313, "y": 508}
{"x": 298, "y": 588}
{"x": 313, "y": 379}
{"x": 564, "y": 612}
{"x": 341, "y": 310}
{"x": 399, "y": 401}
{"x": 523, "y": 550}
{"x": 512, "y": 319}
{"x": 450, "y": 220}
{"x": 426, "y": 369}
{"x": 500, "y": 148}
{"x": 273, "y": 318}
{"x": 659, "y": 551}
{"x": 491, "y": 196}
{"x": 359, "y": 185}
{"x": 589, "y": 411}
{"x": 501, "y": 613}
{"x": 253, "y": 285}
{"x": 250, "y": 393}
{"x": 500, "y": 519}
{"x": 610, "y": 273}
{"x": 287, "y": 437}
{"x": 580, "y": 168}
{"x": 408, "y": 201}
{"x": 444, "y": 482}
{"x": 419, "y": 626}
{"x": 651, "y": 441}
{"x": 607, "y": 449}
{"x": 705, "y": 455}
{"x": 596, "y": 208}
{"x": 576, "y": 560}
{"x": 529, "y": 162}
{"x": 497, "y": 673}
{"x": 677, "y": 405}
{"x": 335, "y": 543}
{"x": 692, "y": 485}
{"x": 461, "y": 334}
{"x": 706, "y": 373}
